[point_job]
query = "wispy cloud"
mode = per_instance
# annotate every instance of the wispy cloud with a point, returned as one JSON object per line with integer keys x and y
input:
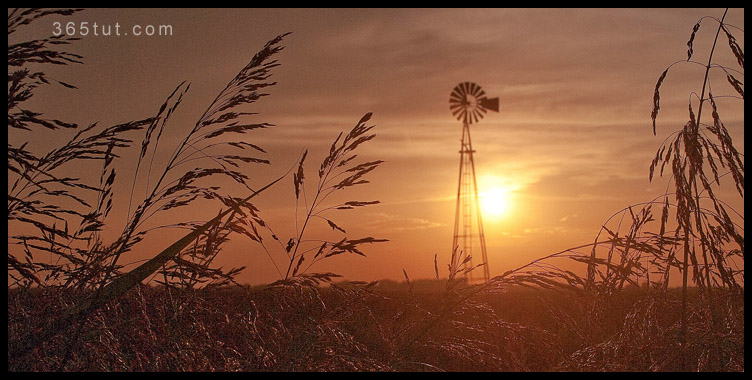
{"x": 386, "y": 223}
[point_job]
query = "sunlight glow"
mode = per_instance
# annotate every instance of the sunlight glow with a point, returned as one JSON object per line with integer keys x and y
{"x": 495, "y": 202}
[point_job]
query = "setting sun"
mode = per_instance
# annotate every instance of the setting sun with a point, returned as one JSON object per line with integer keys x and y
{"x": 495, "y": 202}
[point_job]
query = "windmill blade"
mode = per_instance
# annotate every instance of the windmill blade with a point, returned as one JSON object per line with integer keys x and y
{"x": 478, "y": 114}
{"x": 473, "y": 90}
{"x": 455, "y": 106}
{"x": 456, "y": 111}
{"x": 469, "y": 104}
{"x": 457, "y": 94}
{"x": 460, "y": 115}
{"x": 466, "y": 87}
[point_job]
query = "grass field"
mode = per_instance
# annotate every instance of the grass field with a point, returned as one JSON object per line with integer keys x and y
{"x": 382, "y": 327}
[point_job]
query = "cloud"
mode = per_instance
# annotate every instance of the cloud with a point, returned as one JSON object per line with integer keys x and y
{"x": 384, "y": 222}
{"x": 568, "y": 217}
{"x": 558, "y": 230}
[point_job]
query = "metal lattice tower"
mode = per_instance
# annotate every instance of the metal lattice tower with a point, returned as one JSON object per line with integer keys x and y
{"x": 468, "y": 103}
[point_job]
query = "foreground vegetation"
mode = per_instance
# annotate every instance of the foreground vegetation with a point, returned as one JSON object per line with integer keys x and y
{"x": 382, "y": 327}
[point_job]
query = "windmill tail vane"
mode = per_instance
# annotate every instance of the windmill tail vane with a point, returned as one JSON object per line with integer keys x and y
{"x": 490, "y": 104}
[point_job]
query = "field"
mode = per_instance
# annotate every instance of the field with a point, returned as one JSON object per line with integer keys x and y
{"x": 382, "y": 327}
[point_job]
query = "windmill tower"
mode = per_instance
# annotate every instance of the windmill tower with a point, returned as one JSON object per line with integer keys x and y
{"x": 468, "y": 103}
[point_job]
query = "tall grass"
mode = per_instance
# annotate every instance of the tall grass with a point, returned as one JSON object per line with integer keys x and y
{"x": 72, "y": 234}
{"x": 81, "y": 258}
{"x": 712, "y": 241}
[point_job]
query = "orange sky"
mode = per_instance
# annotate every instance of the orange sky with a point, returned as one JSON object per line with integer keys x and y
{"x": 572, "y": 141}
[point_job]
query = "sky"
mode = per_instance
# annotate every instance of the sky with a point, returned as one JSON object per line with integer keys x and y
{"x": 569, "y": 148}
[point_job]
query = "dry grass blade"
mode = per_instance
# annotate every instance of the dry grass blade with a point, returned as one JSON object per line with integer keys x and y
{"x": 736, "y": 84}
{"x": 299, "y": 176}
{"x": 338, "y": 163}
{"x": 20, "y": 16}
{"x": 691, "y": 39}
{"x": 221, "y": 117}
{"x": 735, "y": 48}
{"x": 657, "y": 98}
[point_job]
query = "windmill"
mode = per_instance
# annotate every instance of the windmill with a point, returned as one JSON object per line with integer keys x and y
{"x": 468, "y": 103}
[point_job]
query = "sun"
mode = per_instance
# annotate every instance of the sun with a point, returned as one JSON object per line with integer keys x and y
{"x": 495, "y": 202}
